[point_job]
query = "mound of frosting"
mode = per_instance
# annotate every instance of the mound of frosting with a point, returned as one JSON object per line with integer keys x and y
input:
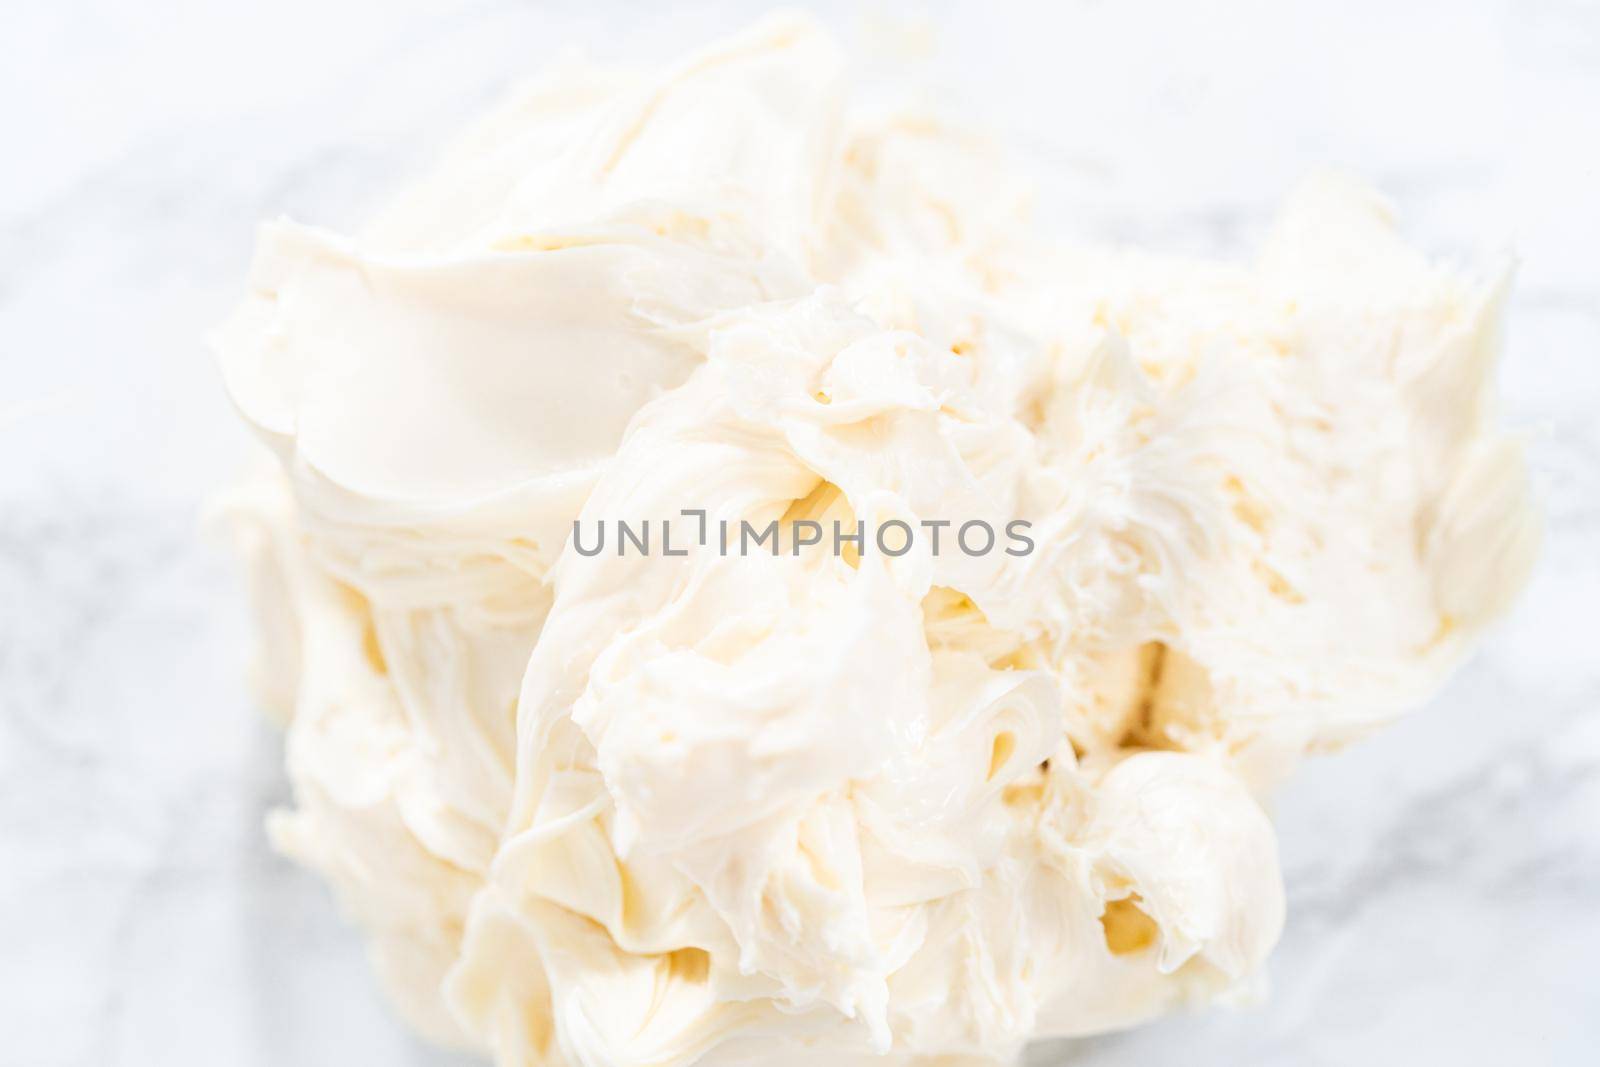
{"x": 632, "y": 808}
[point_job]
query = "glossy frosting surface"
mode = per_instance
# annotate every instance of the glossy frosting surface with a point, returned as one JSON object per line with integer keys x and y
{"x": 630, "y": 809}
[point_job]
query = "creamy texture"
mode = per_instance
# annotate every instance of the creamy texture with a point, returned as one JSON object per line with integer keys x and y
{"x": 724, "y": 809}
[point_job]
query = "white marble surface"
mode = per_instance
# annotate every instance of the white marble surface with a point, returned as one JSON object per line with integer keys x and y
{"x": 1444, "y": 877}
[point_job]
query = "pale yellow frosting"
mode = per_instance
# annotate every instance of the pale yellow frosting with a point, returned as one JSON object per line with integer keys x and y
{"x": 631, "y": 810}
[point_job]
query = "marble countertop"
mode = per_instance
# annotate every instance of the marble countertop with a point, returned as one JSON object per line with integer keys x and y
{"x": 1444, "y": 877}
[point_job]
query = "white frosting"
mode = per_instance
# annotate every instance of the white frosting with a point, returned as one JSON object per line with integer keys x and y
{"x": 651, "y": 809}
